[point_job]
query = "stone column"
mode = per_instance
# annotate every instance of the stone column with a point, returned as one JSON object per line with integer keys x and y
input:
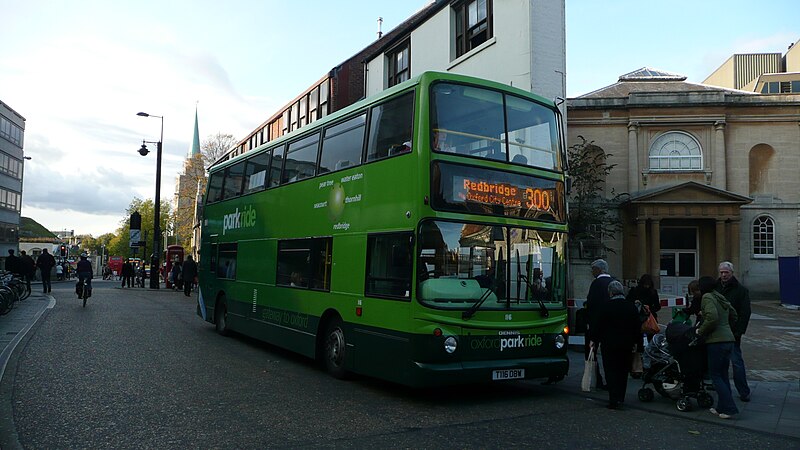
{"x": 735, "y": 239}
{"x": 633, "y": 157}
{"x": 641, "y": 262}
{"x": 721, "y": 241}
{"x": 655, "y": 251}
{"x": 720, "y": 159}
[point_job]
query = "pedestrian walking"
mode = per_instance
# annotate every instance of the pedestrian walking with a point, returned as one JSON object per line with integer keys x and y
{"x": 643, "y": 294}
{"x": 595, "y": 299}
{"x": 616, "y": 331}
{"x": 189, "y": 272}
{"x": 45, "y": 262}
{"x": 12, "y": 262}
{"x": 739, "y": 297}
{"x": 59, "y": 272}
{"x": 715, "y": 328}
{"x": 127, "y": 273}
{"x": 27, "y": 268}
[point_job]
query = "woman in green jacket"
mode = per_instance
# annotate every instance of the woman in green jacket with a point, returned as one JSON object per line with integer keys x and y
{"x": 718, "y": 314}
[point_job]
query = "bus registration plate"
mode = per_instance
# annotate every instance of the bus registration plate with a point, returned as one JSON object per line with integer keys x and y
{"x": 508, "y": 374}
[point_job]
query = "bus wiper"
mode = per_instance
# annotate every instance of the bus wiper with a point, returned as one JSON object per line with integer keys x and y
{"x": 542, "y": 309}
{"x": 471, "y": 311}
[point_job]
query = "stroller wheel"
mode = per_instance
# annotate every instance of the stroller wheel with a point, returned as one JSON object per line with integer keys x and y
{"x": 705, "y": 400}
{"x": 683, "y": 404}
{"x": 646, "y": 395}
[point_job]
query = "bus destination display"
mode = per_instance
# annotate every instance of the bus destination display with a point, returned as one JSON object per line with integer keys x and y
{"x": 467, "y": 189}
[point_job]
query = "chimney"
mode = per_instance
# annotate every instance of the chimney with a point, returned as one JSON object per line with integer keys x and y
{"x": 380, "y": 22}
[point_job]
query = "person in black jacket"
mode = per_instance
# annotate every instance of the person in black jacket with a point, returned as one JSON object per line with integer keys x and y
{"x": 617, "y": 330}
{"x": 646, "y": 293}
{"x": 45, "y": 262}
{"x": 12, "y": 262}
{"x": 189, "y": 272}
{"x": 595, "y": 299}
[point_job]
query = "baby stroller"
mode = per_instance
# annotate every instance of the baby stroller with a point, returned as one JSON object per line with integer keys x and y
{"x": 673, "y": 364}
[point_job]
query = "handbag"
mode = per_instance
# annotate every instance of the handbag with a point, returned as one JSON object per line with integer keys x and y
{"x": 650, "y": 326}
{"x": 636, "y": 364}
{"x": 588, "y": 372}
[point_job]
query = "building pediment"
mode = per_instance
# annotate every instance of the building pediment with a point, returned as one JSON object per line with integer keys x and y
{"x": 688, "y": 192}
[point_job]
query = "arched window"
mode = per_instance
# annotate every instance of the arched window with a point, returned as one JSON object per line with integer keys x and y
{"x": 675, "y": 151}
{"x": 763, "y": 237}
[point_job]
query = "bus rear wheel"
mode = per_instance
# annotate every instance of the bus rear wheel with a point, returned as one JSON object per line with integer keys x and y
{"x": 221, "y": 317}
{"x": 335, "y": 349}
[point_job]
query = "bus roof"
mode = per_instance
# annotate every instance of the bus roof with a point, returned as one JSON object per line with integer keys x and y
{"x": 424, "y": 78}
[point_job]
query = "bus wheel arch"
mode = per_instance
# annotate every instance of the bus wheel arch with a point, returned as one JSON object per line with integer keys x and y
{"x": 221, "y": 315}
{"x": 332, "y": 345}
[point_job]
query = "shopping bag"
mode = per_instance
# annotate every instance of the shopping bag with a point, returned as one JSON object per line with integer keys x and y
{"x": 588, "y": 372}
{"x": 650, "y": 326}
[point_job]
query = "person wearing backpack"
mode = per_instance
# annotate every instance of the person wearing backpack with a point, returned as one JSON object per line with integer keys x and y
{"x": 739, "y": 298}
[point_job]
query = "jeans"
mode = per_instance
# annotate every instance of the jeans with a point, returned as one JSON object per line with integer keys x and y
{"x": 739, "y": 376}
{"x": 86, "y": 276}
{"x": 46, "y": 282}
{"x": 719, "y": 359}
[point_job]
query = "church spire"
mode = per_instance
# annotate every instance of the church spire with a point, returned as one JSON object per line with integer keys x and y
{"x": 195, "y": 150}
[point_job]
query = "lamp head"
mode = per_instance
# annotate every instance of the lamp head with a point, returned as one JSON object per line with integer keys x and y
{"x": 143, "y": 114}
{"x": 143, "y": 150}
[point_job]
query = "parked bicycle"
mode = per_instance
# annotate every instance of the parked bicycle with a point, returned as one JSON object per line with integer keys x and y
{"x": 12, "y": 290}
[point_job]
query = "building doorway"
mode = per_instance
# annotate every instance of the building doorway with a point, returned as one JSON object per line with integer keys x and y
{"x": 679, "y": 259}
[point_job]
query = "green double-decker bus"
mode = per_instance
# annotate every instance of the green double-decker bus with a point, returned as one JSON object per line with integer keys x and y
{"x": 417, "y": 236}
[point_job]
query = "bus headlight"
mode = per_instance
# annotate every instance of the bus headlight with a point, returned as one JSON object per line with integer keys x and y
{"x": 450, "y": 344}
{"x": 560, "y": 341}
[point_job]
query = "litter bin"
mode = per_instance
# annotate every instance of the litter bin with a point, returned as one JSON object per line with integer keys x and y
{"x": 789, "y": 275}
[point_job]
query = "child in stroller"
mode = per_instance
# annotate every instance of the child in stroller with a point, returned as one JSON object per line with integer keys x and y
{"x": 673, "y": 364}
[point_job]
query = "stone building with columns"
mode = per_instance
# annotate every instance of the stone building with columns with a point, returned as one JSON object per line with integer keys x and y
{"x": 709, "y": 173}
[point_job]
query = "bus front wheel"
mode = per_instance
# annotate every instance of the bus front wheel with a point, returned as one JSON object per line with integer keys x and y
{"x": 221, "y": 317}
{"x": 335, "y": 349}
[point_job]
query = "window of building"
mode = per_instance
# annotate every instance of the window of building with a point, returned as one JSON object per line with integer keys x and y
{"x": 389, "y": 259}
{"x": 390, "y": 128}
{"x": 305, "y": 263}
{"x": 226, "y": 261}
{"x": 301, "y": 159}
{"x": 473, "y": 22}
{"x": 675, "y": 151}
{"x": 10, "y": 131}
{"x": 399, "y": 60}
{"x": 343, "y": 144}
{"x": 763, "y": 237}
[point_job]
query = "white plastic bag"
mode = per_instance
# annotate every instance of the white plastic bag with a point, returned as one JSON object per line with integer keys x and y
{"x": 589, "y": 371}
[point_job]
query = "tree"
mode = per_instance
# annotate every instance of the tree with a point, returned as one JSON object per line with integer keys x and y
{"x": 215, "y": 146}
{"x": 593, "y": 217}
{"x": 119, "y": 245}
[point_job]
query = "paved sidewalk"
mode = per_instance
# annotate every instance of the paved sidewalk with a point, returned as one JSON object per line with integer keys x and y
{"x": 15, "y": 324}
{"x": 774, "y": 408}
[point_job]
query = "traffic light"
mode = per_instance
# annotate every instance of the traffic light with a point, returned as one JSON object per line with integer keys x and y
{"x": 63, "y": 250}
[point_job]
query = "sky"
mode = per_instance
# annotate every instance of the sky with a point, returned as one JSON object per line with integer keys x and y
{"x": 78, "y": 71}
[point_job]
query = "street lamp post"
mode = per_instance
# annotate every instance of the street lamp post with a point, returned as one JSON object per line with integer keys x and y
{"x": 154, "y": 259}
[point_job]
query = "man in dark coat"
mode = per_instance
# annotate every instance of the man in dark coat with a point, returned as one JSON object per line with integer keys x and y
{"x": 595, "y": 300}
{"x": 127, "y": 273}
{"x": 45, "y": 262}
{"x": 12, "y": 262}
{"x": 617, "y": 330}
{"x": 739, "y": 297}
{"x": 27, "y": 268}
{"x": 189, "y": 271}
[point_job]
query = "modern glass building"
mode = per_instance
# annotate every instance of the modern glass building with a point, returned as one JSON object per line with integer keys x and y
{"x": 12, "y": 131}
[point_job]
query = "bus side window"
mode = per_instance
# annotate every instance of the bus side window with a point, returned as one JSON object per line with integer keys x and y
{"x": 275, "y": 167}
{"x": 389, "y": 260}
{"x": 301, "y": 159}
{"x": 342, "y": 145}
{"x": 226, "y": 261}
{"x": 232, "y": 187}
{"x": 391, "y": 127}
{"x": 305, "y": 263}
{"x": 215, "y": 187}
{"x": 255, "y": 173}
